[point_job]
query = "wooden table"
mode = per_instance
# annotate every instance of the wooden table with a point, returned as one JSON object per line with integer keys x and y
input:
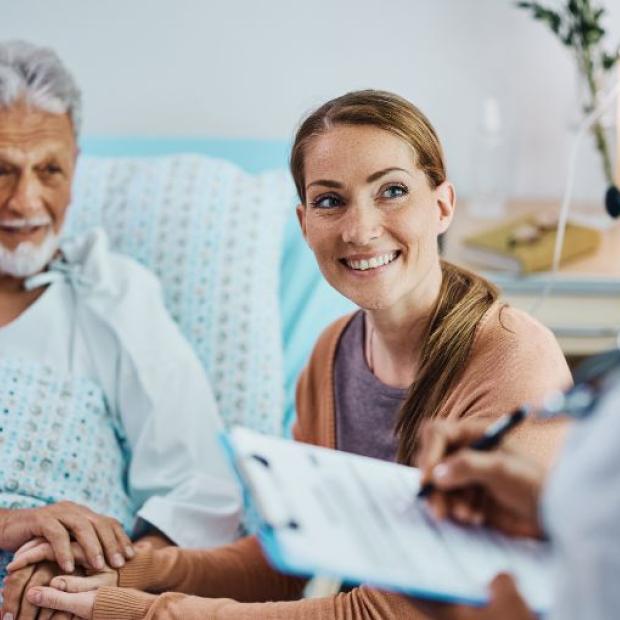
{"x": 583, "y": 306}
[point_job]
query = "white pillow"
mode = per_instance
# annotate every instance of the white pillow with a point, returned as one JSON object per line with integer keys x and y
{"x": 213, "y": 234}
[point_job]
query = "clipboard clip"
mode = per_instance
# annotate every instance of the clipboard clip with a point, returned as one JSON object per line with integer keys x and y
{"x": 263, "y": 482}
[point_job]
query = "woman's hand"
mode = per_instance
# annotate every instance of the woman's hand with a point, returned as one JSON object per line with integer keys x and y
{"x": 78, "y": 605}
{"x": 74, "y": 583}
{"x": 39, "y": 550}
{"x": 500, "y": 488}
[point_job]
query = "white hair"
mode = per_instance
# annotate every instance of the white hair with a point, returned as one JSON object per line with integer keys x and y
{"x": 37, "y": 75}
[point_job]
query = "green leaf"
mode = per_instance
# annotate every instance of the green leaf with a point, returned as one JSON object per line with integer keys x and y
{"x": 608, "y": 62}
{"x": 593, "y": 35}
{"x": 573, "y": 7}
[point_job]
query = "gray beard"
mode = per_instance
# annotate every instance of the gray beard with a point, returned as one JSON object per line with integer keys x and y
{"x": 28, "y": 259}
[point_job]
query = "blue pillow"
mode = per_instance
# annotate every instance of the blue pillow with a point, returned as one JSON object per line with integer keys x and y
{"x": 212, "y": 233}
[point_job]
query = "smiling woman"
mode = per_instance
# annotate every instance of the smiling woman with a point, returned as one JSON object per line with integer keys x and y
{"x": 430, "y": 340}
{"x": 370, "y": 172}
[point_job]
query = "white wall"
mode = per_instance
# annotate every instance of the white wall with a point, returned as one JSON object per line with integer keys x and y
{"x": 250, "y": 68}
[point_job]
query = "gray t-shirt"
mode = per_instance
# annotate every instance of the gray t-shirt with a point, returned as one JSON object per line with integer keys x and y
{"x": 366, "y": 408}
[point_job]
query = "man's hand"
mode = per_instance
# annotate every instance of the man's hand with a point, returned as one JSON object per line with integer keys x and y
{"x": 17, "y": 584}
{"x": 102, "y": 538}
{"x": 505, "y": 603}
{"x": 80, "y": 605}
{"x": 500, "y": 488}
{"x": 38, "y": 570}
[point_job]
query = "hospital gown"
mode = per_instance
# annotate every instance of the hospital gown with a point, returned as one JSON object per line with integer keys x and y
{"x": 102, "y": 402}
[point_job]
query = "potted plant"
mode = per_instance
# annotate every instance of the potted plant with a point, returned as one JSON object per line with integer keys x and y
{"x": 579, "y": 26}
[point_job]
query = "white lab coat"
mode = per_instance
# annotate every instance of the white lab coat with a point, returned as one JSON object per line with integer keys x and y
{"x": 581, "y": 513}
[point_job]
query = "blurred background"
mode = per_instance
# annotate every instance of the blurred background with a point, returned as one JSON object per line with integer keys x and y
{"x": 252, "y": 68}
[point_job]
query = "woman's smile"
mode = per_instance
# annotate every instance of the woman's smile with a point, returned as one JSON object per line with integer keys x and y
{"x": 370, "y": 264}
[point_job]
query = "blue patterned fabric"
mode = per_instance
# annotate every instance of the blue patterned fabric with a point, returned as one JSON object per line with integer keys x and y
{"x": 212, "y": 233}
{"x": 58, "y": 441}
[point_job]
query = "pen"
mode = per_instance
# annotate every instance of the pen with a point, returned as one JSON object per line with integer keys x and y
{"x": 491, "y": 438}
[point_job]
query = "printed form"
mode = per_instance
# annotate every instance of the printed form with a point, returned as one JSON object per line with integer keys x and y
{"x": 340, "y": 515}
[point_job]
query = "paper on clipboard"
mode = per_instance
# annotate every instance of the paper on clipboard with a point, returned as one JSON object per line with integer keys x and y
{"x": 341, "y": 515}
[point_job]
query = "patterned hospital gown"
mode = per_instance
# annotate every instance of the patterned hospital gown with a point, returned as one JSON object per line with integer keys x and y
{"x": 102, "y": 402}
{"x": 59, "y": 441}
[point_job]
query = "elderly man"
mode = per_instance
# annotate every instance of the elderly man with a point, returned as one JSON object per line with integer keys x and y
{"x": 106, "y": 416}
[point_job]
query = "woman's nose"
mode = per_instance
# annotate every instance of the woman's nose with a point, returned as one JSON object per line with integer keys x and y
{"x": 361, "y": 225}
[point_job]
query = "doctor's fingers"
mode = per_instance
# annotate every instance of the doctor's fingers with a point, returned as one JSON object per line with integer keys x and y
{"x": 465, "y": 506}
{"x": 506, "y": 602}
{"x": 440, "y": 437}
{"x": 513, "y": 480}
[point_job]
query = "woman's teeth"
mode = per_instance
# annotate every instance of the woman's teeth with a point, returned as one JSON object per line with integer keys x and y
{"x": 371, "y": 263}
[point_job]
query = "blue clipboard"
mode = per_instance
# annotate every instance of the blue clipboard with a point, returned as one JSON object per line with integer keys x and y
{"x": 274, "y": 530}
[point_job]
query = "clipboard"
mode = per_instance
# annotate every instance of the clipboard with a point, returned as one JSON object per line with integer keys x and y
{"x": 333, "y": 514}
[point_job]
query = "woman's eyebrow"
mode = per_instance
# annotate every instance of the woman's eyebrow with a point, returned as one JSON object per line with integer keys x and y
{"x": 326, "y": 183}
{"x": 377, "y": 175}
{"x": 373, "y": 177}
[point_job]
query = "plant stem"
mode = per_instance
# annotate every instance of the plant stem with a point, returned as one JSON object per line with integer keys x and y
{"x": 587, "y": 68}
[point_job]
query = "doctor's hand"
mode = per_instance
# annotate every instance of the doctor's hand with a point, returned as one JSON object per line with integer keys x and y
{"x": 102, "y": 538}
{"x": 505, "y": 603}
{"x": 500, "y": 488}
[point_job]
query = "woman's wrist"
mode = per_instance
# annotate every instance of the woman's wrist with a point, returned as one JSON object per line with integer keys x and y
{"x": 139, "y": 572}
{"x": 121, "y": 604}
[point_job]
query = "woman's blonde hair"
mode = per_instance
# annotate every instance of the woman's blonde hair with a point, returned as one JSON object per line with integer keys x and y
{"x": 464, "y": 297}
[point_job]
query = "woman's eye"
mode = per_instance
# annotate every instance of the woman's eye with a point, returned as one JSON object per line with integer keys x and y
{"x": 326, "y": 202}
{"x": 394, "y": 191}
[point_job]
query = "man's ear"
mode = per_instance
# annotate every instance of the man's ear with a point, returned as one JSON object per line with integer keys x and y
{"x": 446, "y": 203}
{"x": 301, "y": 218}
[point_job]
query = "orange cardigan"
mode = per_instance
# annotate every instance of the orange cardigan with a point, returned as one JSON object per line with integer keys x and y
{"x": 514, "y": 359}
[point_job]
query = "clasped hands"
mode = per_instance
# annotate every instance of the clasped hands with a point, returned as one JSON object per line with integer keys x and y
{"x": 52, "y": 540}
{"x": 500, "y": 489}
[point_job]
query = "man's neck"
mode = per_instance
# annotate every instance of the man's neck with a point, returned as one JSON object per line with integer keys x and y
{"x": 14, "y": 298}
{"x": 10, "y": 285}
